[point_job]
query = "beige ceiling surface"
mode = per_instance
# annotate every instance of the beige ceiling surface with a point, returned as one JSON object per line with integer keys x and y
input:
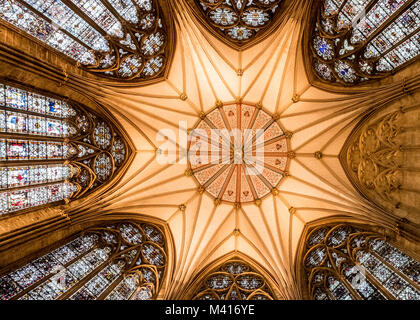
{"x": 206, "y": 70}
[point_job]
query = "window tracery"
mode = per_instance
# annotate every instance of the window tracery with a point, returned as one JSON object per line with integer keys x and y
{"x": 111, "y": 262}
{"x": 234, "y": 280}
{"x": 360, "y": 40}
{"x": 344, "y": 262}
{"x": 52, "y": 150}
{"x": 240, "y": 21}
{"x": 120, "y": 39}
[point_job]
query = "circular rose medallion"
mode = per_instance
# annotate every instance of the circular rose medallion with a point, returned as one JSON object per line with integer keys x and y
{"x": 238, "y": 153}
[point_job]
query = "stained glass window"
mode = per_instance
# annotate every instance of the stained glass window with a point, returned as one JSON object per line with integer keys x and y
{"x": 234, "y": 280}
{"x": 343, "y": 262}
{"x": 361, "y": 40}
{"x": 115, "y": 38}
{"x": 239, "y": 20}
{"x": 101, "y": 263}
{"x": 52, "y": 150}
{"x": 246, "y": 178}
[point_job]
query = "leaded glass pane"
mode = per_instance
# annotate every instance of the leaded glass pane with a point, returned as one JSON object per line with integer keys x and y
{"x": 370, "y": 40}
{"x": 233, "y": 280}
{"x": 62, "y": 272}
{"x": 90, "y": 33}
{"x": 240, "y": 20}
{"x": 31, "y": 117}
{"x": 372, "y": 269}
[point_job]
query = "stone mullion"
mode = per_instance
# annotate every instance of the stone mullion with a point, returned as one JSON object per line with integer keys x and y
{"x": 397, "y": 44}
{"x": 53, "y": 23}
{"x": 18, "y": 163}
{"x": 402, "y": 275}
{"x": 86, "y": 18}
{"x": 27, "y": 112}
{"x": 113, "y": 11}
{"x": 45, "y": 279}
{"x": 386, "y": 23}
{"x": 120, "y": 277}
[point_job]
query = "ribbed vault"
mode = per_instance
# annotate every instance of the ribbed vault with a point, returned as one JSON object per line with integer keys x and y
{"x": 204, "y": 73}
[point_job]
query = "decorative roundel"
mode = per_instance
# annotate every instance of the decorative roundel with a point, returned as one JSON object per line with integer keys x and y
{"x": 103, "y": 166}
{"x": 238, "y": 153}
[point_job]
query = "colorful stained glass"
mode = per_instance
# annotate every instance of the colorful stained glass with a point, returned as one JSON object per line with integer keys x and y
{"x": 32, "y": 23}
{"x": 3, "y": 126}
{"x": 102, "y": 135}
{"x": 259, "y": 157}
{"x": 17, "y": 150}
{"x": 2, "y": 95}
{"x": 371, "y": 40}
{"x": 57, "y": 23}
{"x": 16, "y": 122}
{"x": 351, "y": 273}
{"x": 38, "y": 151}
{"x": 36, "y": 103}
{"x": 16, "y": 98}
{"x": 240, "y": 20}
{"x": 234, "y": 280}
{"x": 52, "y": 275}
{"x": 103, "y": 166}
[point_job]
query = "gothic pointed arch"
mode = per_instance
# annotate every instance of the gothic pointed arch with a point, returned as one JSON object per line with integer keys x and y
{"x": 116, "y": 260}
{"x": 351, "y": 261}
{"x": 380, "y": 158}
{"x": 118, "y": 40}
{"x": 240, "y": 23}
{"x": 233, "y": 277}
{"x": 351, "y": 43}
{"x": 53, "y": 149}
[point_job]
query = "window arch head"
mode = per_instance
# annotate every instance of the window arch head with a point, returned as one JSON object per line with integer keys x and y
{"x": 380, "y": 158}
{"x": 234, "y": 279}
{"x": 355, "y": 41}
{"x": 239, "y": 23}
{"x": 116, "y": 261}
{"x": 126, "y": 40}
{"x": 347, "y": 262}
{"x": 53, "y": 149}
